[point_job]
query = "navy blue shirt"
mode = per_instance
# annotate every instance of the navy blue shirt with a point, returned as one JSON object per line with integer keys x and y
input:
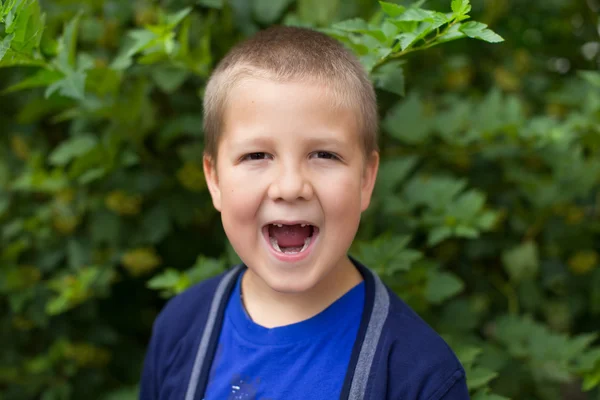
{"x": 305, "y": 360}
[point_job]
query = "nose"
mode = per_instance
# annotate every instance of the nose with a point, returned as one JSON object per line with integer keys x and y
{"x": 290, "y": 184}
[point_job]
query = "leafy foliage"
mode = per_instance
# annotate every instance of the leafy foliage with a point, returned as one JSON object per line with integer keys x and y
{"x": 486, "y": 215}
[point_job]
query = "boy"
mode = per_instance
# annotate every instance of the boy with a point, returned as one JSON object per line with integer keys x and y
{"x": 290, "y": 160}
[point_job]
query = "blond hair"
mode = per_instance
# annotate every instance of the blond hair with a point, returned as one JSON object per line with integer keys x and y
{"x": 285, "y": 54}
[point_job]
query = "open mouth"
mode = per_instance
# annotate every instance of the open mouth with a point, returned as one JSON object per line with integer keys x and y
{"x": 290, "y": 239}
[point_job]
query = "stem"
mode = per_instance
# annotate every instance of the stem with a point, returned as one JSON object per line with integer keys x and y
{"x": 509, "y": 292}
{"x": 428, "y": 43}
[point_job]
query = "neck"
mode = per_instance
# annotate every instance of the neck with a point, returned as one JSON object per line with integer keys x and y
{"x": 271, "y": 309}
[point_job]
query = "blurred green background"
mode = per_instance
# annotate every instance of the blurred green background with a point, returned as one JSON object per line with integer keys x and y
{"x": 486, "y": 216}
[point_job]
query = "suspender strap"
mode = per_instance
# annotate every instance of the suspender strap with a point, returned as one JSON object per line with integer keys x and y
{"x": 211, "y": 334}
{"x": 379, "y": 313}
{"x": 377, "y": 304}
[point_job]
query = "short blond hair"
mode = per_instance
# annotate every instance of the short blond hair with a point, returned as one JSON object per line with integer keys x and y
{"x": 285, "y": 54}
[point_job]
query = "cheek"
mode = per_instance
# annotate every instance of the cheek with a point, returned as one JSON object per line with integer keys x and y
{"x": 241, "y": 199}
{"x": 341, "y": 195}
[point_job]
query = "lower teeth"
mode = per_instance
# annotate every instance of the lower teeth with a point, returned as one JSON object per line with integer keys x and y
{"x": 276, "y": 246}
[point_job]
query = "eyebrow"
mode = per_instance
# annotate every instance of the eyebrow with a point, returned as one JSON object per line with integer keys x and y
{"x": 252, "y": 142}
{"x": 266, "y": 141}
{"x": 326, "y": 141}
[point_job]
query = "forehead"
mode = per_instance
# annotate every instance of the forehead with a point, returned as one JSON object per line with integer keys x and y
{"x": 258, "y": 107}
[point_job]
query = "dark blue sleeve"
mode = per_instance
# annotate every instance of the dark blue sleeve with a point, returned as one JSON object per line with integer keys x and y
{"x": 148, "y": 382}
{"x": 458, "y": 391}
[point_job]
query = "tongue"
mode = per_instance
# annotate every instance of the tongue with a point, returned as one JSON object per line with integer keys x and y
{"x": 290, "y": 235}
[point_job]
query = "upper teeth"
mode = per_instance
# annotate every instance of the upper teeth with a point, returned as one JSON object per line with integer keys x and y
{"x": 280, "y": 225}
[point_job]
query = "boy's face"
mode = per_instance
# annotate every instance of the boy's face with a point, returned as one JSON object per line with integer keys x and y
{"x": 288, "y": 157}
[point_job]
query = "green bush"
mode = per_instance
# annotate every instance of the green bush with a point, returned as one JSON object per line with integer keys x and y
{"x": 486, "y": 216}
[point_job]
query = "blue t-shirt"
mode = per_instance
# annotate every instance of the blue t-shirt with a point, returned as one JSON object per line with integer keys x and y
{"x": 305, "y": 360}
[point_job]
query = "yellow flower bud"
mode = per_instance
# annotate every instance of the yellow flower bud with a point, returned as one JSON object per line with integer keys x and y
{"x": 583, "y": 262}
{"x": 20, "y": 147}
{"x": 65, "y": 224}
{"x": 574, "y": 215}
{"x": 191, "y": 177}
{"x": 87, "y": 355}
{"x": 140, "y": 261}
{"x": 122, "y": 203}
{"x": 506, "y": 80}
{"x": 22, "y": 324}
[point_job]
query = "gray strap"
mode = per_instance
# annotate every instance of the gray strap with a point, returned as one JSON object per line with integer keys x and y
{"x": 208, "y": 330}
{"x": 381, "y": 306}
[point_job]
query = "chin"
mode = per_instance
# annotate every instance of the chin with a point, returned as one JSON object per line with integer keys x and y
{"x": 287, "y": 284}
{"x": 291, "y": 286}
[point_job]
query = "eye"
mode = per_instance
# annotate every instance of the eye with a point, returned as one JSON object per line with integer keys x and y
{"x": 327, "y": 155}
{"x": 255, "y": 156}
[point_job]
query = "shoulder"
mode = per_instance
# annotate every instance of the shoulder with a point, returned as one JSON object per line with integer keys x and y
{"x": 413, "y": 347}
{"x": 407, "y": 329}
{"x": 187, "y": 310}
{"x": 417, "y": 350}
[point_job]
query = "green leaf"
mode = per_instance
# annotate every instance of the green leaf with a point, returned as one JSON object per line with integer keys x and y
{"x": 484, "y": 394}
{"x": 460, "y": 7}
{"x": 67, "y": 46}
{"x": 91, "y": 175}
{"x": 452, "y": 33}
{"x": 156, "y": 223}
{"x": 436, "y": 192}
{"x": 168, "y": 78}
{"x": 167, "y": 281}
{"x": 487, "y": 220}
{"x": 391, "y": 9}
{"x": 4, "y": 204}
{"x": 394, "y": 171}
{"x": 388, "y": 255}
{"x": 72, "y": 86}
{"x": 204, "y": 268}
{"x": 415, "y": 14}
{"x": 438, "y": 234}
{"x": 592, "y": 77}
{"x": 5, "y": 45}
{"x": 467, "y": 205}
{"x": 352, "y": 25}
{"x": 104, "y": 227}
{"x": 125, "y": 393}
{"x": 521, "y": 262}
{"x": 407, "y": 122}
{"x": 441, "y": 286}
{"x": 467, "y": 355}
{"x": 390, "y": 77}
{"x": 218, "y": 4}
{"x": 72, "y": 148}
{"x": 27, "y": 26}
{"x": 466, "y": 232}
{"x": 172, "y": 20}
{"x": 43, "y": 77}
{"x": 13, "y": 59}
{"x": 478, "y": 377}
{"x": 591, "y": 380}
{"x": 478, "y": 30}
{"x": 269, "y": 11}
{"x": 77, "y": 253}
{"x": 318, "y": 12}
{"x": 137, "y": 40}
{"x": 406, "y": 39}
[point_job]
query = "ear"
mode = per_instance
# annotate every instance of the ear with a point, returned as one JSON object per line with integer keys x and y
{"x": 212, "y": 180}
{"x": 368, "y": 179}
